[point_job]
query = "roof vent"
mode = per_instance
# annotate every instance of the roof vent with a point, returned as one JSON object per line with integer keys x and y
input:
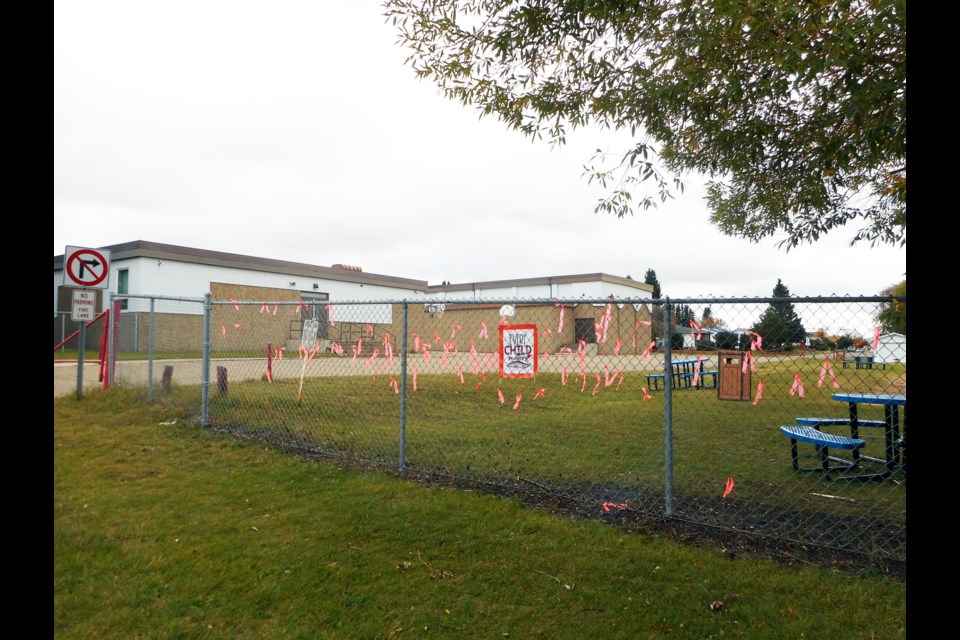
{"x": 347, "y": 267}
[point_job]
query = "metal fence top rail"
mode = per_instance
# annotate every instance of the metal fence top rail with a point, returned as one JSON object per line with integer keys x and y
{"x": 513, "y": 300}
{"x": 121, "y": 296}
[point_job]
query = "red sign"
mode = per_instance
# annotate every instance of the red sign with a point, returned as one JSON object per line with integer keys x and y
{"x": 518, "y": 350}
{"x": 86, "y": 267}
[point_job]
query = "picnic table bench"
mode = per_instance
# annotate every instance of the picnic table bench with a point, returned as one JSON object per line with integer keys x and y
{"x": 837, "y": 422}
{"x": 713, "y": 375}
{"x": 683, "y": 375}
{"x": 822, "y": 442}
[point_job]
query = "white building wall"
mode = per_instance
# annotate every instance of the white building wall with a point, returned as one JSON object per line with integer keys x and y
{"x": 173, "y": 279}
{"x": 586, "y": 290}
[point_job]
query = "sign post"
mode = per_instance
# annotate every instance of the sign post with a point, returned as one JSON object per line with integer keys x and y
{"x": 83, "y": 311}
{"x": 88, "y": 269}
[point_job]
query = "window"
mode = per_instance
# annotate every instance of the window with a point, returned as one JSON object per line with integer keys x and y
{"x": 585, "y": 329}
{"x": 123, "y": 285}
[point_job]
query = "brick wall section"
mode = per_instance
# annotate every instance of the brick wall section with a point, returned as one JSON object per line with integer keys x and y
{"x": 256, "y": 327}
{"x": 171, "y": 332}
{"x": 623, "y": 324}
{"x": 248, "y": 327}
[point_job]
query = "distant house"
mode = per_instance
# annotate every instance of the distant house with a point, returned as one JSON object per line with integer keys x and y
{"x": 690, "y": 337}
{"x": 891, "y": 347}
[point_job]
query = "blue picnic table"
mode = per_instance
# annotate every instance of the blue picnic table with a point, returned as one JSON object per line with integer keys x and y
{"x": 894, "y": 442}
{"x": 683, "y": 372}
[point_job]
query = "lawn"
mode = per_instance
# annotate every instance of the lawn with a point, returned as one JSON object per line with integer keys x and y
{"x": 567, "y": 435}
{"x": 164, "y": 529}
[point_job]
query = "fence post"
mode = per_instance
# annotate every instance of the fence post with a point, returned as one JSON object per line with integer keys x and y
{"x": 205, "y": 364}
{"x": 111, "y": 329}
{"x": 150, "y": 353}
{"x": 222, "y": 381}
{"x": 114, "y": 341}
{"x": 403, "y": 390}
{"x": 82, "y": 339}
{"x": 667, "y": 410}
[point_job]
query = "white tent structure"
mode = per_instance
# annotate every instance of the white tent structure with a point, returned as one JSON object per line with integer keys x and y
{"x": 891, "y": 347}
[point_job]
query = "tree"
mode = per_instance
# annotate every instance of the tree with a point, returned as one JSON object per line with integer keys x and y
{"x": 779, "y": 324}
{"x": 820, "y": 340}
{"x": 656, "y": 311}
{"x": 651, "y": 279}
{"x": 709, "y": 321}
{"x": 795, "y": 112}
{"x": 893, "y": 315}
{"x": 684, "y": 314}
{"x": 730, "y": 340}
{"x": 845, "y": 341}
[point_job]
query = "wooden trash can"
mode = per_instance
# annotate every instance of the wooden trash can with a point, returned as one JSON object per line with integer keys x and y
{"x": 734, "y": 382}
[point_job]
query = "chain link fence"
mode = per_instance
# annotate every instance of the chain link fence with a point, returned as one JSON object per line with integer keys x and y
{"x": 668, "y": 408}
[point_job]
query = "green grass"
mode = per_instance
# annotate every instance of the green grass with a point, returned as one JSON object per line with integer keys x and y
{"x": 569, "y": 435}
{"x": 172, "y": 531}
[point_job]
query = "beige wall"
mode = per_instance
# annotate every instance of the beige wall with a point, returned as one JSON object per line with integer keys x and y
{"x": 249, "y": 327}
{"x": 256, "y": 327}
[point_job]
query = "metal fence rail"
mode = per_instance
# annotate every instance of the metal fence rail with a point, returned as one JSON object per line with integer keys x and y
{"x": 629, "y": 409}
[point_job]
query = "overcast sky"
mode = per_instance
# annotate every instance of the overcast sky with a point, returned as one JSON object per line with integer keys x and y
{"x": 293, "y": 130}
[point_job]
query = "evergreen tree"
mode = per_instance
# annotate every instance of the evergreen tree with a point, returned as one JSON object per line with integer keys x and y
{"x": 780, "y": 324}
{"x": 684, "y": 314}
{"x": 651, "y": 279}
{"x": 656, "y": 311}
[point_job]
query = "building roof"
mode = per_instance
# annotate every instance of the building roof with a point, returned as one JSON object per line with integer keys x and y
{"x": 159, "y": 251}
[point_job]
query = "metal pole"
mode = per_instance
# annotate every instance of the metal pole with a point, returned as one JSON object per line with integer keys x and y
{"x": 82, "y": 338}
{"x": 667, "y": 410}
{"x": 205, "y": 366}
{"x": 111, "y": 338}
{"x": 403, "y": 390}
{"x": 150, "y": 353}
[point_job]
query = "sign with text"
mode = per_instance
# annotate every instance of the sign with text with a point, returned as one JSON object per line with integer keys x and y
{"x": 308, "y": 338}
{"x": 518, "y": 350}
{"x": 84, "y": 306}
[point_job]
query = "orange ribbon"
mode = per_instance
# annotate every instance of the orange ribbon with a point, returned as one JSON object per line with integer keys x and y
{"x": 729, "y": 488}
{"x": 797, "y": 386}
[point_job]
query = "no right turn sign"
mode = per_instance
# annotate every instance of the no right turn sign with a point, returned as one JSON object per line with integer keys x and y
{"x": 86, "y": 267}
